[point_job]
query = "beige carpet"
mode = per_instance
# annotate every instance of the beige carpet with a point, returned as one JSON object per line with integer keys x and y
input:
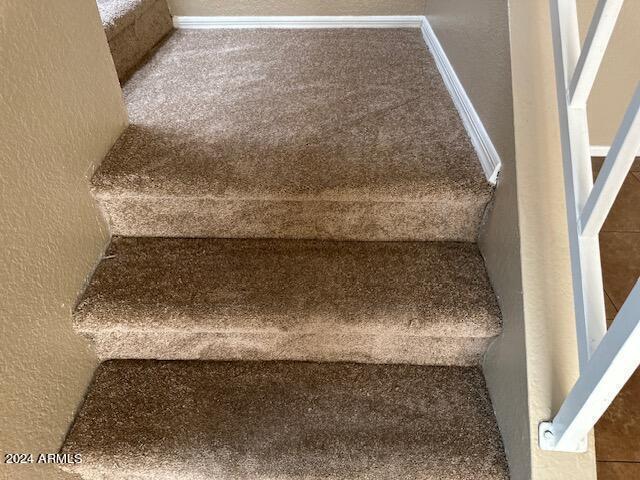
{"x": 277, "y": 420}
{"x": 133, "y": 28}
{"x": 116, "y": 15}
{"x": 384, "y": 302}
{"x": 276, "y": 147}
{"x": 336, "y": 134}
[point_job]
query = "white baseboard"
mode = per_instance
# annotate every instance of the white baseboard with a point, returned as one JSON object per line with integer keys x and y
{"x": 389, "y": 21}
{"x": 489, "y": 158}
{"x": 599, "y": 150}
{"x": 602, "y": 150}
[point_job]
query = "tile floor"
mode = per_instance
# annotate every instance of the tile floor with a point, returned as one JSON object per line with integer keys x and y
{"x": 618, "y": 432}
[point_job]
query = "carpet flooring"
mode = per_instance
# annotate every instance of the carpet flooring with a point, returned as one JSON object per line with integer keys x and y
{"x": 408, "y": 302}
{"x": 284, "y": 202}
{"x": 333, "y": 134}
{"x": 116, "y": 15}
{"x": 133, "y": 28}
{"x": 278, "y": 420}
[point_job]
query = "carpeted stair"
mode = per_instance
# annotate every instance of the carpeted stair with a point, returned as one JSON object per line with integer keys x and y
{"x": 293, "y": 291}
{"x": 281, "y": 420}
{"x": 133, "y": 28}
{"x": 403, "y": 302}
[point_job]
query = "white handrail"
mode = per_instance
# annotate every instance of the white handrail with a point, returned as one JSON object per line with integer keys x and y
{"x": 607, "y": 358}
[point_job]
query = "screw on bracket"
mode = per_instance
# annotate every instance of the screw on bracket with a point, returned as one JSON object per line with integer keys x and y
{"x": 546, "y": 437}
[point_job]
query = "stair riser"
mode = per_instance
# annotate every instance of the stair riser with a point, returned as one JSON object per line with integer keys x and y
{"x": 324, "y": 220}
{"x": 278, "y": 346}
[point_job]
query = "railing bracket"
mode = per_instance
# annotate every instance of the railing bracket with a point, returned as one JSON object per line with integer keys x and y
{"x": 547, "y": 440}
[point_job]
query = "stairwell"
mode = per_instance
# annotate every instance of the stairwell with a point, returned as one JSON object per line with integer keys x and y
{"x": 293, "y": 289}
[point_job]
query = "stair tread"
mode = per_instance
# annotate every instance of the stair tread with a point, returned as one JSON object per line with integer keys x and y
{"x": 118, "y": 14}
{"x": 265, "y": 420}
{"x": 407, "y": 288}
{"x": 335, "y": 115}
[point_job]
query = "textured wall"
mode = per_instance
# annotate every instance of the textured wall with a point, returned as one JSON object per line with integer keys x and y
{"x": 475, "y": 36}
{"x": 619, "y": 74}
{"x": 61, "y": 110}
{"x": 296, "y": 7}
{"x": 552, "y": 362}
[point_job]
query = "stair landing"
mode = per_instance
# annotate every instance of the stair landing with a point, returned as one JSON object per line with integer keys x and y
{"x": 327, "y": 134}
